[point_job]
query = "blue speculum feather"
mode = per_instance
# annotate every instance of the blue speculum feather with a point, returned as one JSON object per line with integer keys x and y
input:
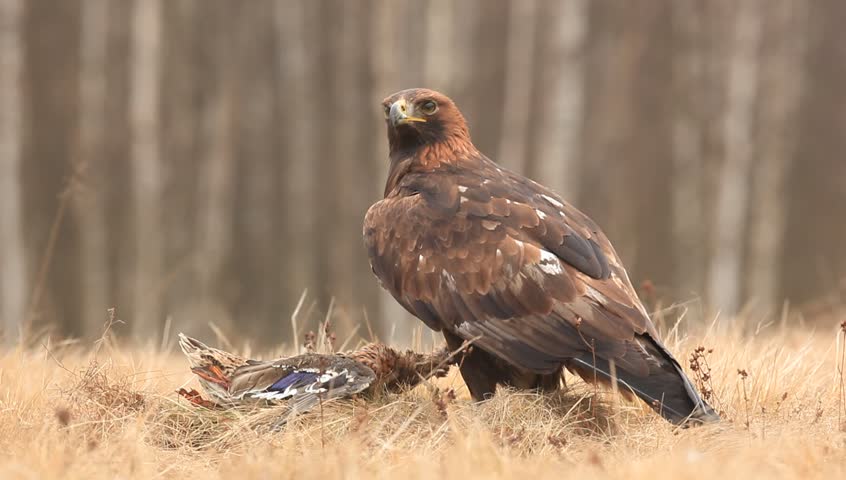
{"x": 300, "y": 378}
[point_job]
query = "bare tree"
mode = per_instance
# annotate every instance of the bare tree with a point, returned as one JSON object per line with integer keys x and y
{"x": 385, "y": 63}
{"x": 146, "y": 165}
{"x": 227, "y": 153}
{"x": 616, "y": 41}
{"x": 296, "y": 69}
{"x": 244, "y": 76}
{"x": 13, "y": 275}
{"x": 217, "y": 176}
{"x": 519, "y": 54}
{"x": 780, "y": 84}
{"x": 558, "y": 94}
{"x": 687, "y": 145}
{"x": 732, "y": 202}
{"x": 440, "y": 68}
{"x": 89, "y": 206}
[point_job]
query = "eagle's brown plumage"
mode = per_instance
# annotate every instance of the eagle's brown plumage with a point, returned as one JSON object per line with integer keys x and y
{"x": 483, "y": 254}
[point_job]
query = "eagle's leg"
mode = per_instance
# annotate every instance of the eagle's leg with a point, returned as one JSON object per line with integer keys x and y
{"x": 525, "y": 380}
{"x": 550, "y": 382}
{"x": 477, "y": 369}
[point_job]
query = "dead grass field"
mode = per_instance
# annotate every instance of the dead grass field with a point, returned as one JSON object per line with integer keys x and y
{"x": 66, "y": 411}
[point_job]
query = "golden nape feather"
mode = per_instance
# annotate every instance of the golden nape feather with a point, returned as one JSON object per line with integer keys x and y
{"x": 486, "y": 255}
{"x": 300, "y": 382}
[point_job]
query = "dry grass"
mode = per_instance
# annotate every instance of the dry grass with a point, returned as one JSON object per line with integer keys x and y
{"x": 66, "y": 411}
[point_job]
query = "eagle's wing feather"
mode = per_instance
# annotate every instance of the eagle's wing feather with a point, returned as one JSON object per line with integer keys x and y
{"x": 502, "y": 260}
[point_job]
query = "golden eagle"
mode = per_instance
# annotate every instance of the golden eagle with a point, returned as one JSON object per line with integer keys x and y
{"x": 486, "y": 255}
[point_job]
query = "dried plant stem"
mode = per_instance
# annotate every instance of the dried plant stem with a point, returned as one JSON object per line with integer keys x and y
{"x": 841, "y": 400}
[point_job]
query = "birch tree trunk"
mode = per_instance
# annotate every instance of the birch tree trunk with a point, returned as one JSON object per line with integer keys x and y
{"x": 486, "y": 25}
{"x": 216, "y": 175}
{"x": 296, "y": 70}
{"x": 439, "y": 70}
{"x": 616, "y": 41}
{"x": 732, "y": 202}
{"x": 384, "y": 66}
{"x": 519, "y": 56}
{"x": 814, "y": 265}
{"x": 687, "y": 125}
{"x": 354, "y": 184}
{"x": 13, "y": 274}
{"x": 780, "y": 85}
{"x": 146, "y": 166}
{"x": 558, "y": 95}
{"x": 346, "y": 110}
{"x": 89, "y": 202}
{"x": 250, "y": 86}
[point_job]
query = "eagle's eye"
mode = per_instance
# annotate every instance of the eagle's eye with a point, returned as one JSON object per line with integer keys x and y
{"x": 387, "y": 110}
{"x": 429, "y": 107}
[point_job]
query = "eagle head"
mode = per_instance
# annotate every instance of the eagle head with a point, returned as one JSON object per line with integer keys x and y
{"x": 419, "y": 117}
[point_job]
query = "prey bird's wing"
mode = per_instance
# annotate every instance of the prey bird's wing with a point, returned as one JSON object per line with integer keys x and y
{"x": 301, "y": 381}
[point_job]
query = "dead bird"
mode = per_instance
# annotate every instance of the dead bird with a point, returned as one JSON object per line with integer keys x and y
{"x": 303, "y": 381}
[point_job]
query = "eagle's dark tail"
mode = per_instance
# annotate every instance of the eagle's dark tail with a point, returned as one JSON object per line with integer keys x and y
{"x": 665, "y": 388}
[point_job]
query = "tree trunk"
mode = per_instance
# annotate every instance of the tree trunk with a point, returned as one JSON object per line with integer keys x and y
{"x": 13, "y": 275}
{"x": 147, "y": 167}
{"x": 216, "y": 117}
{"x": 687, "y": 154}
{"x": 296, "y": 72}
{"x": 384, "y": 68}
{"x": 732, "y": 202}
{"x": 558, "y": 94}
{"x": 519, "y": 54}
{"x": 88, "y": 202}
{"x": 780, "y": 84}
{"x": 814, "y": 265}
{"x": 439, "y": 70}
{"x": 185, "y": 76}
{"x": 616, "y": 41}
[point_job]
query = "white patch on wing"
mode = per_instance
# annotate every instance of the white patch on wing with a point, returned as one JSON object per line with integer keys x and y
{"x": 463, "y": 199}
{"x": 550, "y": 264}
{"x": 462, "y": 188}
{"x": 450, "y": 280}
{"x": 595, "y": 295}
{"x": 274, "y": 395}
{"x": 489, "y": 224}
{"x": 553, "y": 201}
{"x": 466, "y": 328}
{"x": 540, "y": 214}
{"x": 330, "y": 374}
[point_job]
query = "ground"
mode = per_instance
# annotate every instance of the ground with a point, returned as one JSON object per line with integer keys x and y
{"x": 110, "y": 411}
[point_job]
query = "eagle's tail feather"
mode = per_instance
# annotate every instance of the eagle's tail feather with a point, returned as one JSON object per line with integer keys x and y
{"x": 666, "y": 388}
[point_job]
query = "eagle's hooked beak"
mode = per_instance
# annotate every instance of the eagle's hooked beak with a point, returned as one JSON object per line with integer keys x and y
{"x": 402, "y": 114}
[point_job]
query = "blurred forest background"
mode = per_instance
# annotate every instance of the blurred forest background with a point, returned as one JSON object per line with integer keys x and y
{"x": 196, "y": 161}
